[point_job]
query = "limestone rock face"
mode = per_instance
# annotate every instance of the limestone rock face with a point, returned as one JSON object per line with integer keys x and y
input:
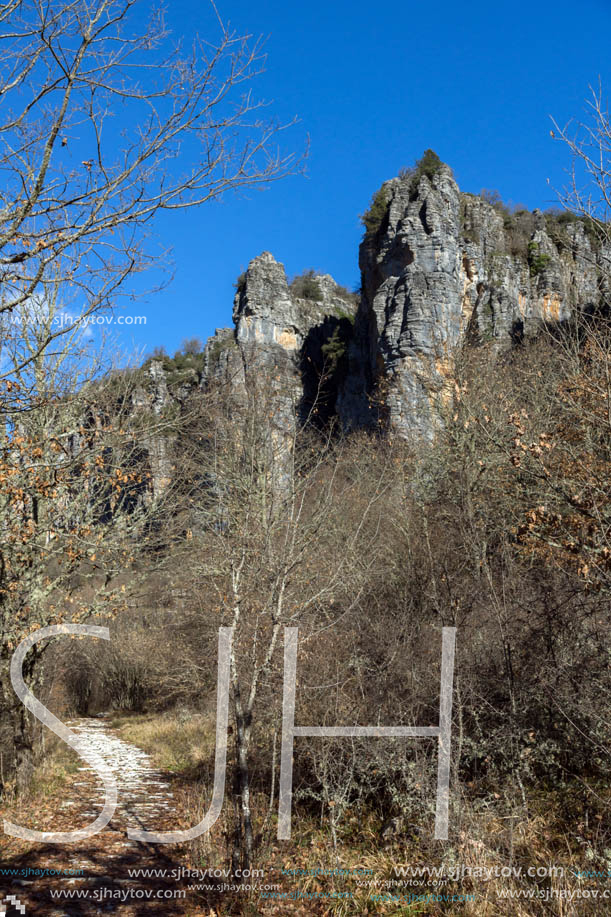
{"x": 276, "y": 332}
{"x": 263, "y": 312}
{"x": 442, "y": 268}
{"x": 445, "y": 266}
{"x": 269, "y": 315}
{"x": 221, "y": 357}
{"x": 277, "y": 348}
{"x": 410, "y": 315}
{"x": 154, "y": 397}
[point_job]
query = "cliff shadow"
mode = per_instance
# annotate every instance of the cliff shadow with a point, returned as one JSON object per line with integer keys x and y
{"x": 323, "y": 366}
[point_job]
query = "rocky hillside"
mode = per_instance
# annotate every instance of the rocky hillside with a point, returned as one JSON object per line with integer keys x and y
{"x": 439, "y": 268}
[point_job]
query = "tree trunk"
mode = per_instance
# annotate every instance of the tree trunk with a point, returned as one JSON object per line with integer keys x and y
{"x": 17, "y": 736}
{"x": 244, "y": 832}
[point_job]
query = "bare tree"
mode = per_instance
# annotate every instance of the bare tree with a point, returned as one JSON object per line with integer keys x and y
{"x": 105, "y": 122}
{"x": 74, "y": 482}
{"x": 588, "y": 193}
{"x": 285, "y": 536}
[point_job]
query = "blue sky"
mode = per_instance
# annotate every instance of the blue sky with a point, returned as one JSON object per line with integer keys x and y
{"x": 374, "y": 84}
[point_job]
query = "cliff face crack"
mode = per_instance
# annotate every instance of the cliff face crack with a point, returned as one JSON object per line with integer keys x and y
{"x": 422, "y": 213}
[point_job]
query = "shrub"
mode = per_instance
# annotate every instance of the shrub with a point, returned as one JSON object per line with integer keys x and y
{"x": 192, "y": 346}
{"x": 347, "y": 316}
{"x": 558, "y": 220}
{"x": 186, "y": 364}
{"x": 519, "y": 228}
{"x": 518, "y": 222}
{"x": 428, "y": 164}
{"x": 345, "y": 294}
{"x": 372, "y": 218}
{"x": 306, "y": 286}
{"x": 537, "y": 261}
{"x": 220, "y": 345}
{"x": 335, "y": 348}
{"x": 492, "y": 197}
{"x": 240, "y": 282}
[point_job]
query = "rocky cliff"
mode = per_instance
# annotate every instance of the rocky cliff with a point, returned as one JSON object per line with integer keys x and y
{"x": 442, "y": 268}
{"x": 290, "y": 335}
{"x": 439, "y": 268}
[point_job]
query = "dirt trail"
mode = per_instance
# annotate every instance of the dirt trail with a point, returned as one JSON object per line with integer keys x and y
{"x": 145, "y": 800}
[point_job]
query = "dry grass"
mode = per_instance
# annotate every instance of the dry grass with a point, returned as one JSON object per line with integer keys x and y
{"x": 538, "y": 837}
{"x": 180, "y": 743}
{"x": 51, "y": 780}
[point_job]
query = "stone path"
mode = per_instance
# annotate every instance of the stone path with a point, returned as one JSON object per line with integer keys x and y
{"x": 144, "y": 793}
{"x": 146, "y": 799}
